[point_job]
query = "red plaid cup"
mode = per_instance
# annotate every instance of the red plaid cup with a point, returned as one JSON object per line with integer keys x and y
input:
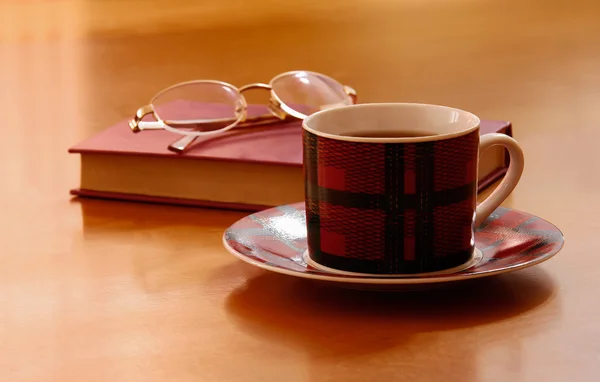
{"x": 392, "y": 188}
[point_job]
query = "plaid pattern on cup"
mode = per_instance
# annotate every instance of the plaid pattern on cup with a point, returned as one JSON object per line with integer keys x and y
{"x": 390, "y": 208}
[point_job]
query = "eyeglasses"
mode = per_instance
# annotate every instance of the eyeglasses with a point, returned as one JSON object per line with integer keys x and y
{"x": 206, "y": 107}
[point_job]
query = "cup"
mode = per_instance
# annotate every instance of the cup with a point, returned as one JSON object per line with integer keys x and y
{"x": 391, "y": 188}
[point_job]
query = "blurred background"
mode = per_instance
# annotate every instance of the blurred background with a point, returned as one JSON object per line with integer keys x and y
{"x": 79, "y": 66}
{"x": 70, "y": 277}
{"x": 492, "y": 57}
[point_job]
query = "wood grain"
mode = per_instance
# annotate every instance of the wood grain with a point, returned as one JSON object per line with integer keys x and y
{"x": 109, "y": 291}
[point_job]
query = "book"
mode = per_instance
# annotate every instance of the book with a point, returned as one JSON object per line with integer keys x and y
{"x": 244, "y": 169}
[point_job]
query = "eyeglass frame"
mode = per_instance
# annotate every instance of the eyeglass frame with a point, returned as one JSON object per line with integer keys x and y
{"x": 279, "y": 111}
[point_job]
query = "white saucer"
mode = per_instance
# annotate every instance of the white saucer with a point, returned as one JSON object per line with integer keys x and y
{"x": 275, "y": 239}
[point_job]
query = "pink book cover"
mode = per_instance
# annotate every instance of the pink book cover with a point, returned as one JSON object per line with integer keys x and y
{"x": 279, "y": 143}
{"x": 276, "y": 144}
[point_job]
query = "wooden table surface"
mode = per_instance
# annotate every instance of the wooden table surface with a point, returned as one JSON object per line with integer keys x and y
{"x": 107, "y": 291}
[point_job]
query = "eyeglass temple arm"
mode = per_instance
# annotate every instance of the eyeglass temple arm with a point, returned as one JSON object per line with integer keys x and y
{"x": 136, "y": 124}
{"x": 183, "y": 143}
{"x": 199, "y": 124}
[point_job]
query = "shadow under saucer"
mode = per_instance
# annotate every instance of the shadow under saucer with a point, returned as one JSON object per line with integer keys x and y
{"x": 327, "y": 320}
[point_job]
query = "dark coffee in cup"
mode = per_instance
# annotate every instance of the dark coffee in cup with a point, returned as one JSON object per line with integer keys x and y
{"x": 388, "y": 134}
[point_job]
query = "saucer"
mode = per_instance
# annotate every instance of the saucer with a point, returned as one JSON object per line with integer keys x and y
{"x": 275, "y": 239}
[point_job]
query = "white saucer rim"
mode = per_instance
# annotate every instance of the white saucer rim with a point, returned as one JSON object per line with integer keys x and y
{"x": 399, "y": 281}
{"x": 391, "y": 281}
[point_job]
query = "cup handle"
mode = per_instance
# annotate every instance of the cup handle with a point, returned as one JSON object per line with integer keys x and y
{"x": 512, "y": 177}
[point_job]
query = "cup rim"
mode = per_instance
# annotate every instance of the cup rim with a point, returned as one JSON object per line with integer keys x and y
{"x": 476, "y": 122}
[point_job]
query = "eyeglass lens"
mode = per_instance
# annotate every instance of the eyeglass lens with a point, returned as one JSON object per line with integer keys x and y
{"x": 307, "y": 92}
{"x": 199, "y": 106}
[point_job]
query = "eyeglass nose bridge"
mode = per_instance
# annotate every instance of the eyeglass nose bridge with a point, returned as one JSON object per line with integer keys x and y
{"x": 257, "y": 85}
{"x": 274, "y": 105}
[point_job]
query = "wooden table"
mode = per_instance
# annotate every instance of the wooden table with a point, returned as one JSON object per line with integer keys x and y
{"x": 107, "y": 291}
